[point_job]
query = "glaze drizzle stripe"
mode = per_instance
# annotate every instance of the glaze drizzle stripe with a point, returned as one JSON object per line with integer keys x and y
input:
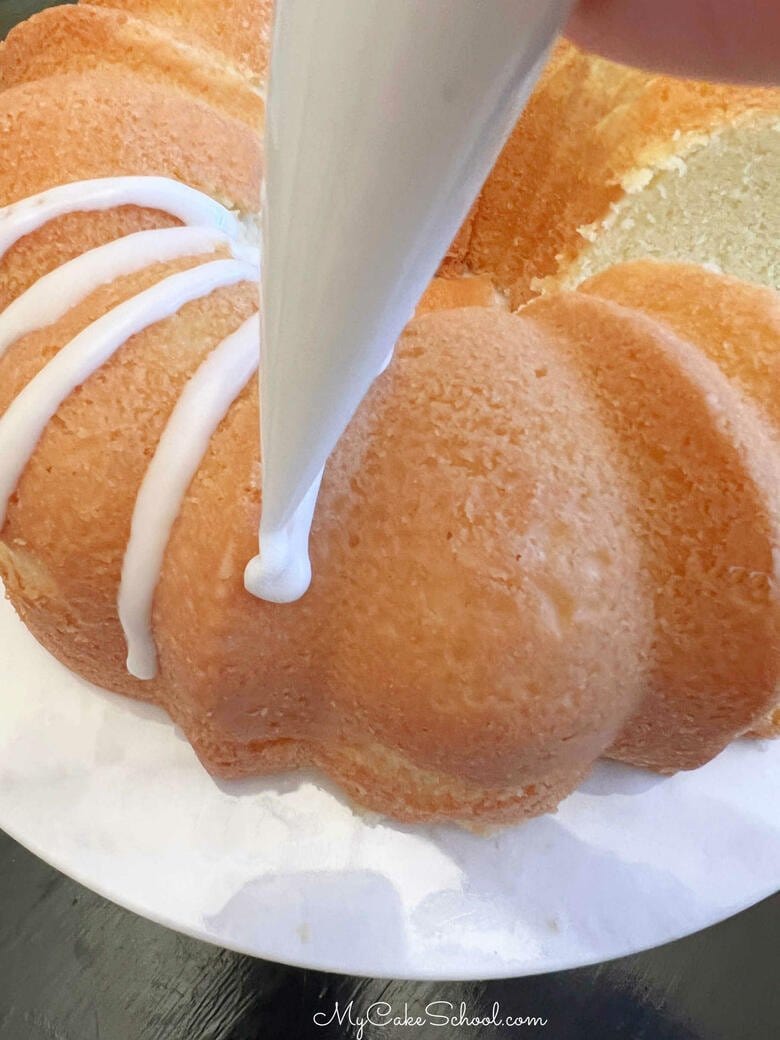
{"x": 27, "y": 416}
{"x": 161, "y": 193}
{"x": 53, "y": 295}
{"x": 203, "y": 404}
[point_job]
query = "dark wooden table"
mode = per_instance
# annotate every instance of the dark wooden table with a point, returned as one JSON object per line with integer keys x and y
{"x": 75, "y": 967}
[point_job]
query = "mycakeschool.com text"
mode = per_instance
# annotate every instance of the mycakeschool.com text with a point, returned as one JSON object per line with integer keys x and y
{"x": 443, "y": 1013}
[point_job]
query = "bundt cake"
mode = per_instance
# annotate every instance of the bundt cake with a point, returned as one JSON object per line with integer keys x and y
{"x": 548, "y": 535}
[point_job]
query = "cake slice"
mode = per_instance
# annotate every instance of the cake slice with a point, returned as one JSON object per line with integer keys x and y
{"x": 609, "y": 164}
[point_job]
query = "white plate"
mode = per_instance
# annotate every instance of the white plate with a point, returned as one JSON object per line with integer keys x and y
{"x": 110, "y": 793}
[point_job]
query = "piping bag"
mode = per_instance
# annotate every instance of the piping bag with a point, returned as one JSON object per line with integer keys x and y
{"x": 383, "y": 119}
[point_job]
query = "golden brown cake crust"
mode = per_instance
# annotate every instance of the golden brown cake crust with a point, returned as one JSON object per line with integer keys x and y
{"x": 467, "y": 291}
{"x": 239, "y": 31}
{"x": 114, "y": 124}
{"x": 350, "y": 668}
{"x": 83, "y": 38}
{"x": 704, "y": 465}
{"x": 735, "y": 324}
{"x": 507, "y": 674}
{"x": 95, "y": 454}
{"x": 133, "y": 125}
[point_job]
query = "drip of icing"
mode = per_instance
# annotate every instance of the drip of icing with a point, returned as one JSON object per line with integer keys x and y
{"x": 203, "y": 404}
{"x": 52, "y": 296}
{"x": 373, "y": 157}
{"x": 282, "y": 572}
{"x": 26, "y": 418}
{"x": 179, "y": 200}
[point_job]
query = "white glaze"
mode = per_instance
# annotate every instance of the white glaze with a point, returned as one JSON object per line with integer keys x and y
{"x": 28, "y": 414}
{"x": 52, "y": 296}
{"x": 283, "y": 573}
{"x": 383, "y": 120}
{"x": 187, "y": 204}
{"x": 202, "y": 406}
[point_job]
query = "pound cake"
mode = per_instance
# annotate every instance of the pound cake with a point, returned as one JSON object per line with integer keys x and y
{"x": 550, "y": 532}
